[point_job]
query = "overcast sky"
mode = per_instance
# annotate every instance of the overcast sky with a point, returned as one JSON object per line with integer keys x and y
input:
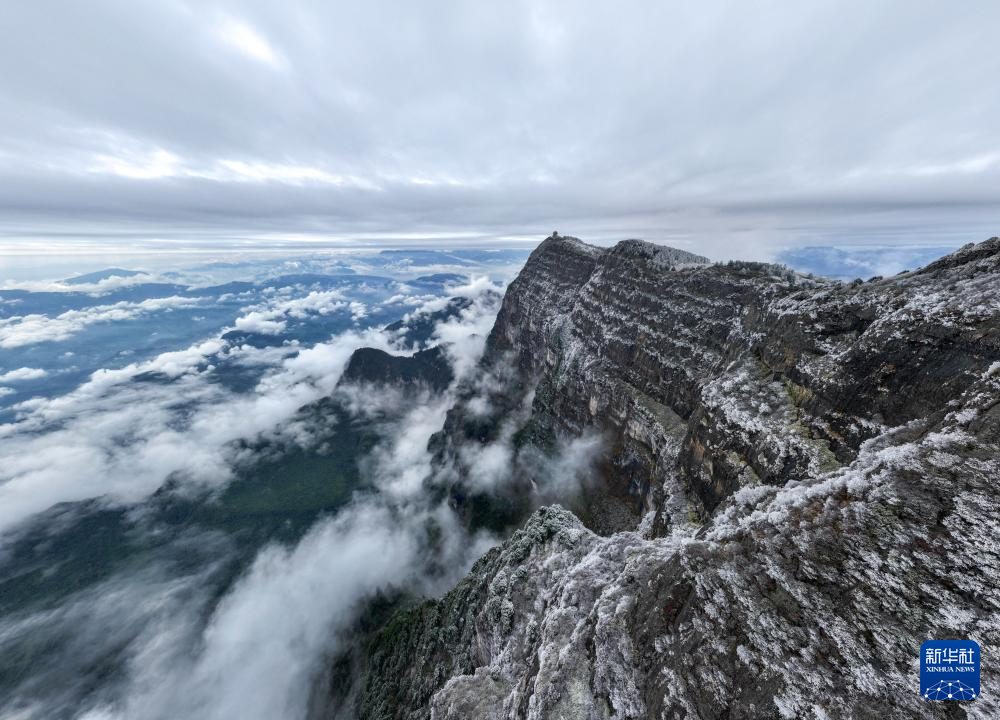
{"x": 723, "y": 126}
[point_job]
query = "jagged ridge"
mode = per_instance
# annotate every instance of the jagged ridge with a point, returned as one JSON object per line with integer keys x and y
{"x": 818, "y": 460}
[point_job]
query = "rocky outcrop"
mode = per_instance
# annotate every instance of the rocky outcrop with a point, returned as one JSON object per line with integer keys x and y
{"x": 429, "y": 368}
{"x": 814, "y": 464}
{"x": 427, "y": 365}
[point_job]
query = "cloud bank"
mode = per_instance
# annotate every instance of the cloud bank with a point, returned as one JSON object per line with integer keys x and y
{"x": 20, "y": 330}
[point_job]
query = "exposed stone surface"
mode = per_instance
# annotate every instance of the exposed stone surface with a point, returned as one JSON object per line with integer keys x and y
{"x": 817, "y": 465}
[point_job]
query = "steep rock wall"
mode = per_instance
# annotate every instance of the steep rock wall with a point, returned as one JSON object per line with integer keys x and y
{"x": 816, "y": 465}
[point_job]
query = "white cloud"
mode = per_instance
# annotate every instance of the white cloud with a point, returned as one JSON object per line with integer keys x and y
{"x": 237, "y": 170}
{"x": 120, "y": 439}
{"x": 400, "y": 463}
{"x": 475, "y": 287}
{"x": 258, "y": 322}
{"x": 98, "y": 288}
{"x": 358, "y": 310}
{"x": 178, "y": 362}
{"x": 24, "y": 373}
{"x": 266, "y": 641}
{"x": 20, "y": 330}
{"x": 321, "y": 302}
{"x": 571, "y": 468}
{"x": 280, "y": 619}
{"x": 158, "y": 163}
{"x": 270, "y": 318}
{"x": 489, "y": 465}
{"x": 465, "y": 334}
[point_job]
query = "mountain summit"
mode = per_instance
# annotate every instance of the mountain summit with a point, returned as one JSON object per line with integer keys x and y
{"x": 796, "y": 486}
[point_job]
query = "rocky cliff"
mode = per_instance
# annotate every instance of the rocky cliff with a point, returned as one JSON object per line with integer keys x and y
{"x": 796, "y": 487}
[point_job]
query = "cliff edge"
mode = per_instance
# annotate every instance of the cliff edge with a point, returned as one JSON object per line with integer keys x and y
{"x": 797, "y": 487}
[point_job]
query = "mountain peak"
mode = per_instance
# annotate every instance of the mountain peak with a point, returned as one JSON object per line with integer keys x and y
{"x": 988, "y": 250}
{"x": 557, "y": 241}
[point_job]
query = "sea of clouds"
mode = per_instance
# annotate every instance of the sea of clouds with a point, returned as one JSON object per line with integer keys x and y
{"x": 154, "y": 639}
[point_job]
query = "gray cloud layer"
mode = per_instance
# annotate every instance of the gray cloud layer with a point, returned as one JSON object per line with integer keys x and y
{"x": 723, "y": 125}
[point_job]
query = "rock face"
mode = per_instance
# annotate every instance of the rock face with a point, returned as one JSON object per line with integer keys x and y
{"x": 814, "y": 464}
